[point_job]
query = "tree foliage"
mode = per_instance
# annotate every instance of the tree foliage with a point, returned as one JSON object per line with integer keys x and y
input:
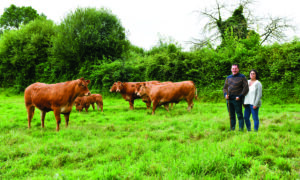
{"x": 237, "y": 23}
{"x": 14, "y": 16}
{"x": 240, "y": 22}
{"x": 86, "y": 36}
{"x": 24, "y": 53}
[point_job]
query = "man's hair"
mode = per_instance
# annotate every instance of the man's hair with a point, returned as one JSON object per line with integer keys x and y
{"x": 257, "y": 76}
{"x": 235, "y": 65}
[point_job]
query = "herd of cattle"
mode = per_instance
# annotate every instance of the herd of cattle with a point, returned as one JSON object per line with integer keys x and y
{"x": 61, "y": 97}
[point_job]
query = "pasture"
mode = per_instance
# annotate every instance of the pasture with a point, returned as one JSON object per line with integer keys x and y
{"x": 132, "y": 144}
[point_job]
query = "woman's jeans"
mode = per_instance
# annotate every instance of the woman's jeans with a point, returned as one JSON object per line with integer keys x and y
{"x": 248, "y": 111}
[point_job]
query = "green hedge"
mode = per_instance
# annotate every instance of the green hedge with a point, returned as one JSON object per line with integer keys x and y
{"x": 30, "y": 54}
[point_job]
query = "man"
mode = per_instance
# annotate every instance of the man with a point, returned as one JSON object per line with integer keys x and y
{"x": 235, "y": 89}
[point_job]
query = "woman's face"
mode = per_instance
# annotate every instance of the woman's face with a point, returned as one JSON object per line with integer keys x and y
{"x": 253, "y": 75}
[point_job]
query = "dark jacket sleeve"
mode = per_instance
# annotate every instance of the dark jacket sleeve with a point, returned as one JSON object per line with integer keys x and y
{"x": 245, "y": 88}
{"x": 225, "y": 88}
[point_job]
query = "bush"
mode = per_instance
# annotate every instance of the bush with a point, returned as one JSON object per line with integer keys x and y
{"x": 24, "y": 54}
{"x": 85, "y": 37}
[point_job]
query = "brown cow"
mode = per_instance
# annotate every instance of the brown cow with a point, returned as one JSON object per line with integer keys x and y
{"x": 173, "y": 92}
{"x": 86, "y": 101}
{"x": 58, "y": 98}
{"x": 127, "y": 90}
{"x": 146, "y": 98}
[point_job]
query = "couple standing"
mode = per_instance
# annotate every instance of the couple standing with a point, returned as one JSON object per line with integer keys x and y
{"x": 238, "y": 92}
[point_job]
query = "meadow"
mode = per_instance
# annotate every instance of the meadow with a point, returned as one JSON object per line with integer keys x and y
{"x": 132, "y": 144}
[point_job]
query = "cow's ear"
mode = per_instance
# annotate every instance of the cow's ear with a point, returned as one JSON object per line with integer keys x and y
{"x": 82, "y": 79}
{"x": 79, "y": 82}
{"x": 88, "y": 81}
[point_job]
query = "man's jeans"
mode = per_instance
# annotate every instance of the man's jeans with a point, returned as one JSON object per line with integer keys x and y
{"x": 236, "y": 107}
{"x": 248, "y": 111}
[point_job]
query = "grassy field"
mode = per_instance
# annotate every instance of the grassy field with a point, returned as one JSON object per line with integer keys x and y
{"x": 132, "y": 144}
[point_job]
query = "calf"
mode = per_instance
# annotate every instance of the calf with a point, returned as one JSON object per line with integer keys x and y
{"x": 168, "y": 93}
{"x": 58, "y": 98}
{"x": 82, "y": 102}
{"x": 85, "y": 102}
{"x": 96, "y": 98}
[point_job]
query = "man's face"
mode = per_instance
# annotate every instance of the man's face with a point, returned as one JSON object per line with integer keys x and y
{"x": 234, "y": 70}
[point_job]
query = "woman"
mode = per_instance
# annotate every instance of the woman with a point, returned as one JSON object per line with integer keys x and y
{"x": 252, "y": 100}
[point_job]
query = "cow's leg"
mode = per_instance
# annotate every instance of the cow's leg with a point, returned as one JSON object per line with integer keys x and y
{"x": 93, "y": 106}
{"x": 98, "y": 105}
{"x": 154, "y": 104}
{"x": 67, "y": 116}
{"x": 57, "y": 117}
{"x": 171, "y": 105}
{"x": 101, "y": 106}
{"x": 166, "y": 106}
{"x": 30, "y": 113}
{"x": 148, "y": 103}
{"x": 131, "y": 103}
{"x": 190, "y": 104}
{"x": 43, "y": 114}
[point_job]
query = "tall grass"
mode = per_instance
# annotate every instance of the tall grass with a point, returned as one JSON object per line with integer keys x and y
{"x": 132, "y": 144}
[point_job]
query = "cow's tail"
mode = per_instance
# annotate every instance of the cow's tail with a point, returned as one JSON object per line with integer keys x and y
{"x": 196, "y": 94}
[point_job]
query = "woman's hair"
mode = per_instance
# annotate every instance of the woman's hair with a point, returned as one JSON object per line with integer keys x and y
{"x": 257, "y": 76}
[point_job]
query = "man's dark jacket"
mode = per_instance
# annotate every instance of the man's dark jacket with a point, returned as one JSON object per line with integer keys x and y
{"x": 236, "y": 86}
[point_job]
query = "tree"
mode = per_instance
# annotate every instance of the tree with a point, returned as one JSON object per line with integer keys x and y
{"x": 274, "y": 29}
{"x": 86, "y": 36}
{"x": 14, "y": 16}
{"x": 24, "y": 54}
{"x": 240, "y": 23}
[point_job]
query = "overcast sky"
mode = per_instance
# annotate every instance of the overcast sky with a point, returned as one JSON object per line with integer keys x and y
{"x": 146, "y": 21}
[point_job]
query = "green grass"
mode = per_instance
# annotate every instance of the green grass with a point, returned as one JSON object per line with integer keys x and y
{"x": 132, "y": 144}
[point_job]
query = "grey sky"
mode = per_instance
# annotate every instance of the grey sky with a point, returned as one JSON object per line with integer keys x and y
{"x": 148, "y": 20}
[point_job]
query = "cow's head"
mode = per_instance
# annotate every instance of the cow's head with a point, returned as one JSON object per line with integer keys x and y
{"x": 137, "y": 87}
{"x": 79, "y": 107}
{"x": 113, "y": 87}
{"x": 119, "y": 86}
{"x": 142, "y": 90}
{"x": 82, "y": 88}
{"x": 78, "y": 104}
